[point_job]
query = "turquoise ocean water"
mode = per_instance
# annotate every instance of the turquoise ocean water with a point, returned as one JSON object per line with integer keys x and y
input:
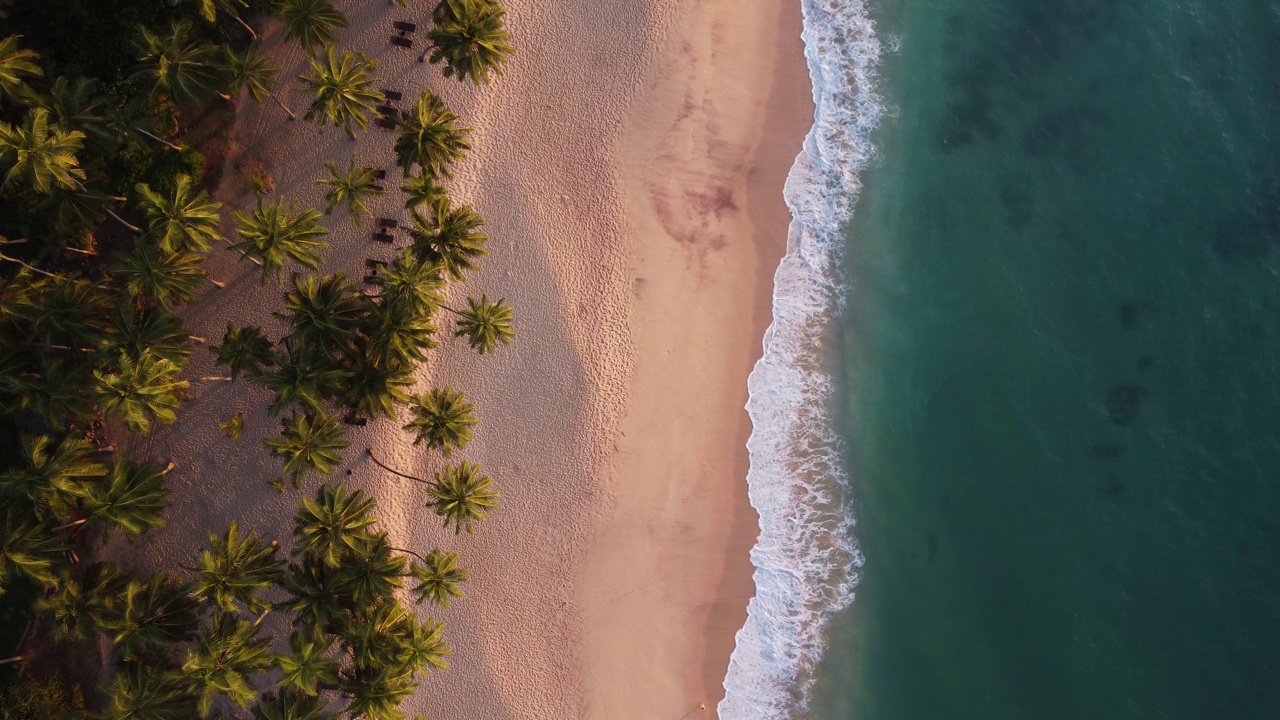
{"x": 1054, "y": 375}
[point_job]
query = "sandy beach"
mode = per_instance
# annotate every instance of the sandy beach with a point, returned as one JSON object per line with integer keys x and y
{"x": 629, "y": 166}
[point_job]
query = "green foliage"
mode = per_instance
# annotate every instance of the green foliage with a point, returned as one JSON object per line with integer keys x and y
{"x": 430, "y": 137}
{"x": 39, "y": 154}
{"x": 243, "y": 350}
{"x": 33, "y": 698}
{"x": 181, "y": 218}
{"x": 17, "y": 64}
{"x": 309, "y": 443}
{"x": 175, "y": 63}
{"x": 470, "y": 37}
{"x": 449, "y": 237}
{"x": 236, "y": 568}
{"x": 351, "y": 187}
{"x": 438, "y": 578}
{"x": 485, "y": 324}
{"x": 343, "y": 88}
{"x": 233, "y": 427}
{"x": 151, "y": 615}
{"x": 141, "y": 389}
{"x": 278, "y": 232}
{"x": 308, "y": 665}
{"x": 225, "y": 654}
{"x": 311, "y": 22}
{"x": 461, "y": 495}
{"x": 443, "y": 419}
{"x": 169, "y": 279}
{"x": 147, "y": 691}
{"x": 322, "y": 313}
{"x": 333, "y": 525}
{"x": 130, "y": 498}
{"x": 77, "y": 608}
{"x": 28, "y": 547}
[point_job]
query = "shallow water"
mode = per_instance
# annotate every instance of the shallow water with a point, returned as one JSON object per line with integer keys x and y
{"x": 1059, "y": 361}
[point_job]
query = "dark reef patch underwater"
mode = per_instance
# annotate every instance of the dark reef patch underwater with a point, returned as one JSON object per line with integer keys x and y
{"x": 1061, "y": 358}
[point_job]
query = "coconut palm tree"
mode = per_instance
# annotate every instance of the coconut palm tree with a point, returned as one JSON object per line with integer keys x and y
{"x": 333, "y": 525}
{"x": 56, "y": 391}
{"x": 277, "y": 232}
{"x": 148, "y": 691}
{"x": 309, "y": 443}
{"x": 76, "y": 607}
{"x": 421, "y": 189}
{"x": 438, "y": 578}
{"x": 351, "y": 187}
{"x": 251, "y": 70}
{"x": 29, "y": 548}
{"x": 138, "y": 328}
{"x": 422, "y": 645}
{"x": 209, "y": 10}
{"x": 312, "y": 602}
{"x": 322, "y": 312}
{"x": 306, "y": 379}
{"x": 375, "y": 690}
{"x": 372, "y": 390}
{"x": 42, "y": 156}
{"x": 343, "y": 89}
{"x": 485, "y": 324}
{"x": 152, "y": 614}
{"x": 16, "y": 64}
{"x": 370, "y": 578}
{"x": 169, "y": 279}
{"x": 76, "y": 104}
{"x": 185, "y": 219}
{"x": 66, "y": 311}
{"x": 443, "y": 419}
{"x": 184, "y": 69}
{"x": 308, "y": 665}
{"x": 429, "y": 136}
{"x": 141, "y": 387}
{"x": 469, "y": 36}
{"x": 461, "y": 495}
{"x": 312, "y": 22}
{"x": 236, "y": 568}
{"x": 449, "y": 237}
{"x": 411, "y": 285}
{"x": 64, "y": 466}
{"x": 397, "y": 335}
{"x": 130, "y": 499}
{"x": 244, "y": 349}
{"x": 225, "y": 654}
{"x": 286, "y": 705}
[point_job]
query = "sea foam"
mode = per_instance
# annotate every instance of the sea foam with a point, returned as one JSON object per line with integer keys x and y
{"x": 806, "y": 557}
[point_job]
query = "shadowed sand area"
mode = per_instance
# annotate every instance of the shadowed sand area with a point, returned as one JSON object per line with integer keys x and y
{"x": 629, "y": 165}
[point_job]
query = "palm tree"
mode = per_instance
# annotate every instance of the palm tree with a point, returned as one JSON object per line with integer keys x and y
{"x": 76, "y": 608}
{"x": 209, "y": 10}
{"x": 286, "y": 705}
{"x": 370, "y": 578}
{"x": 76, "y": 104}
{"x": 312, "y": 22}
{"x": 438, "y": 578}
{"x": 449, "y": 236}
{"x": 16, "y": 63}
{"x": 275, "y": 233}
{"x": 307, "y": 379}
{"x": 333, "y": 525}
{"x": 351, "y": 186}
{"x": 373, "y": 390}
{"x": 397, "y": 335}
{"x": 185, "y": 219}
{"x": 308, "y": 665}
{"x": 30, "y": 548}
{"x": 375, "y": 690}
{"x": 65, "y": 310}
{"x": 343, "y": 90}
{"x": 311, "y": 600}
{"x": 243, "y": 349}
{"x": 309, "y": 443}
{"x": 236, "y": 568}
{"x": 251, "y": 70}
{"x": 461, "y": 495}
{"x": 59, "y": 389}
{"x": 421, "y": 189}
{"x": 422, "y": 644}
{"x": 131, "y": 498}
{"x": 485, "y": 324}
{"x": 41, "y": 155}
{"x": 170, "y": 279}
{"x": 151, "y": 614}
{"x": 224, "y": 656}
{"x": 143, "y": 386}
{"x": 429, "y": 137}
{"x": 322, "y": 312}
{"x": 138, "y": 328}
{"x": 48, "y": 467}
{"x": 469, "y": 36}
{"x": 411, "y": 285}
{"x": 443, "y": 418}
{"x": 173, "y": 64}
{"x": 147, "y": 691}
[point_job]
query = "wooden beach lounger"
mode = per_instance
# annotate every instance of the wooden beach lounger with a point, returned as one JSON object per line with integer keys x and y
{"x": 383, "y": 236}
{"x": 389, "y": 223}
{"x": 401, "y": 42}
{"x": 380, "y": 174}
{"x": 387, "y": 111}
{"x": 392, "y": 95}
{"x": 374, "y": 264}
{"x": 353, "y": 420}
{"x": 404, "y": 27}
{"x": 386, "y": 123}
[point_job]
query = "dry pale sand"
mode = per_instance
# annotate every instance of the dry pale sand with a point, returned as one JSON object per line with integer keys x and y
{"x": 629, "y": 165}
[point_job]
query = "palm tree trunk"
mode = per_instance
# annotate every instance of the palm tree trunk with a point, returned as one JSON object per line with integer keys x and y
{"x": 122, "y": 221}
{"x": 283, "y": 106}
{"x": 158, "y": 139}
{"x": 245, "y": 25}
{"x": 382, "y": 465}
{"x": 216, "y": 378}
{"x": 252, "y": 259}
{"x": 70, "y": 525}
{"x": 408, "y": 552}
{"x": 14, "y": 659}
{"x": 32, "y": 268}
